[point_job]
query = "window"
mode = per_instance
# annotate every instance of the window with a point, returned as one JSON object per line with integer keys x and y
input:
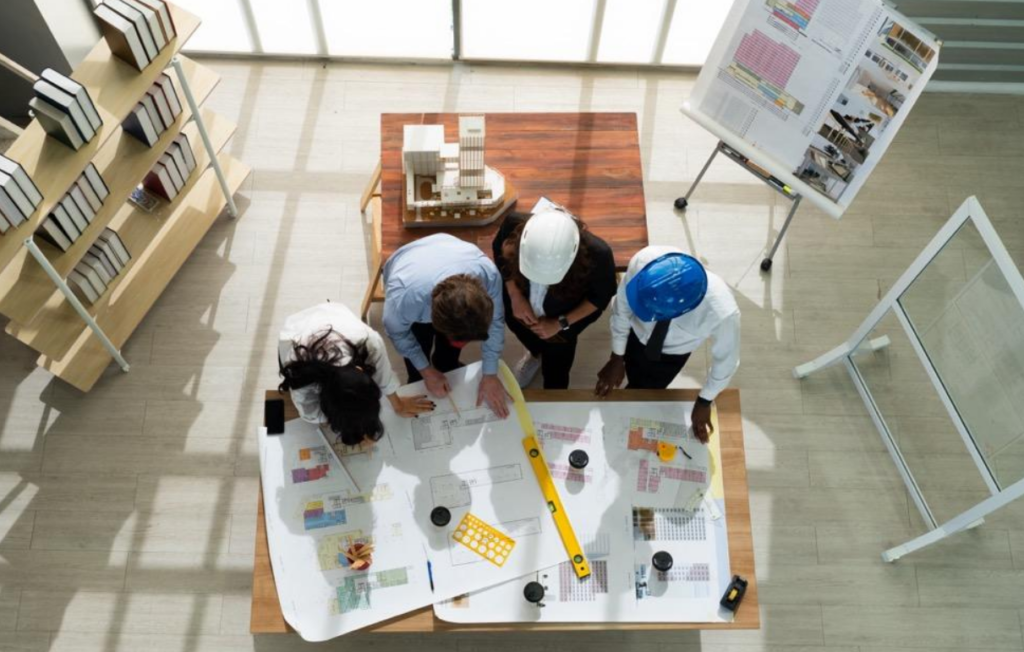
{"x": 670, "y": 32}
{"x": 407, "y": 29}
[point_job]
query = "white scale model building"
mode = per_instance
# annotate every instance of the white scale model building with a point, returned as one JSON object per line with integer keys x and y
{"x": 448, "y": 183}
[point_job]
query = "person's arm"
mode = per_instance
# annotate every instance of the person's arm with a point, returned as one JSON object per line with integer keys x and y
{"x": 384, "y": 376}
{"x": 548, "y": 327}
{"x": 495, "y": 342}
{"x": 725, "y": 357}
{"x": 725, "y": 360}
{"x": 398, "y": 326}
{"x": 620, "y": 326}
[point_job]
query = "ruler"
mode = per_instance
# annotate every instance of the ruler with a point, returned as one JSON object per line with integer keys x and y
{"x": 535, "y": 454}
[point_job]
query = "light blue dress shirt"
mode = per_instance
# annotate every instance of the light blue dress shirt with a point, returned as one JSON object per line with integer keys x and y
{"x": 409, "y": 279}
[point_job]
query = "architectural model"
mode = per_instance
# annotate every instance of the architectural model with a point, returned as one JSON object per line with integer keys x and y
{"x": 448, "y": 183}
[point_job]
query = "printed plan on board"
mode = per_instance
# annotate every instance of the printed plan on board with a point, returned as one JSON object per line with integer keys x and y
{"x": 819, "y": 86}
{"x": 469, "y": 462}
{"x": 625, "y": 505}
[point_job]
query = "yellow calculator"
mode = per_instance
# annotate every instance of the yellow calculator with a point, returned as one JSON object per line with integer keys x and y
{"x": 484, "y": 540}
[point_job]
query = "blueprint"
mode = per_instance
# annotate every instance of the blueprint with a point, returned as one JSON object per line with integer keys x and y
{"x": 463, "y": 459}
{"x": 621, "y": 522}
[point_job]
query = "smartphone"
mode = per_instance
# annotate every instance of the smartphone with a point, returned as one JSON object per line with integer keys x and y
{"x": 273, "y": 416}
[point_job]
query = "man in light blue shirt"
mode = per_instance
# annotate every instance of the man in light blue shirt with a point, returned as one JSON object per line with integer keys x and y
{"x": 441, "y": 293}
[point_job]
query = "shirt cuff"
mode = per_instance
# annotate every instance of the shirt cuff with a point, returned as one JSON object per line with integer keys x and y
{"x": 490, "y": 366}
{"x": 619, "y": 344}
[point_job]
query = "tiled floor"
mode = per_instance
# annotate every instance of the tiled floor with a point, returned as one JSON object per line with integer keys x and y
{"x": 127, "y": 516}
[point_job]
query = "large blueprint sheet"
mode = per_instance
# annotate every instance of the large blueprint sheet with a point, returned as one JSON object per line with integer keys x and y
{"x": 625, "y": 505}
{"x": 467, "y": 462}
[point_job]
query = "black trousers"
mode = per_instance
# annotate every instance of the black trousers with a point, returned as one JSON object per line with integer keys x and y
{"x": 442, "y": 355}
{"x": 557, "y": 354}
{"x": 642, "y": 373}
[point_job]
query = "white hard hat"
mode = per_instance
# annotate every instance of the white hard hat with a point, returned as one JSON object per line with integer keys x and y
{"x": 548, "y": 247}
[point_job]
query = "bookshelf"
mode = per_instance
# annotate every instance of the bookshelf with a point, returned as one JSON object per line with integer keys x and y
{"x": 77, "y": 343}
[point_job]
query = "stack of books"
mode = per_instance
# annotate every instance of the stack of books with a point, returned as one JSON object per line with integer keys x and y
{"x": 171, "y": 172}
{"x": 64, "y": 109}
{"x": 19, "y": 196}
{"x": 76, "y": 210}
{"x": 136, "y": 30}
{"x": 155, "y": 113}
{"x": 99, "y": 267}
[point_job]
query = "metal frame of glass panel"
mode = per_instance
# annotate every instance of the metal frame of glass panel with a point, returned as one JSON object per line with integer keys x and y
{"x": 972, "y": 212}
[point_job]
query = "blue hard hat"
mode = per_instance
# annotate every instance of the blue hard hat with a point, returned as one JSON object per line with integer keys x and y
{"x": 667, "y": 287}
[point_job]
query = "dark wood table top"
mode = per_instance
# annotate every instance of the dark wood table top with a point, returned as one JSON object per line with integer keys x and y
{"x": 266, "y": 609}
{"x": 588, "y": 162}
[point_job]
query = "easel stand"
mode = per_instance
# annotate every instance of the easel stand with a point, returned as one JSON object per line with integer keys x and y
{"x": 683, "y": 202}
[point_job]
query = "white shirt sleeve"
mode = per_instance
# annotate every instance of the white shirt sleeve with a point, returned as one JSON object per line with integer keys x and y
{"x": 620, "y": 320}
{"x": 384, "y": 375}
{"x": 725, "y": 356}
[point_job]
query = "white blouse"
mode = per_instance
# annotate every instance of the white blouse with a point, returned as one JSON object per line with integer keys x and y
{"x": 301, "y": 327}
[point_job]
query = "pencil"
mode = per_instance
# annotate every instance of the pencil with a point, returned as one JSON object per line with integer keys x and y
{"x": 454, "y": 407}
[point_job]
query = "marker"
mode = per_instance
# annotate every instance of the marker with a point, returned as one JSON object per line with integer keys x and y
{"x": 685, "y": 453}
{"x": 430, "y": 575}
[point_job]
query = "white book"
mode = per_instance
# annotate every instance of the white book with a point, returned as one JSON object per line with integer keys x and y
{"x": 64, "y": 221}
{"x": 162, "y": 107}
{"x": 52, "y": 232}
{"x": 172, "y": 169}
{"x": 83, "y": 204}
{"x": 141, "y": 26}
{"x": 165, "y": 83}
{"x": 66, "y": 103}
{"x": 154, "y": 115}
{"x": 4, "y": 224}
{"x": 139, "y": 125}
{"x": 179, "y": 159}
{"x": 25, "y": 182}
{"x": 186, "y": 150}
{"x": 108, "y": 264}
{"x": 72, "y": 87}
{"x": 56, "y": 123}
{"x": 110, "y": 237}
{"x": 109, "y": 255}
{"x": 8, "y": 183}
{"x": 152, "y": 20}
{"x": 82, "y": 288}
{"x": 122, "y": 37}
{"x": 163, "y": 12}
{"x": 74, "y": 213}
{"x": 93, "y": 261}
{"x": 10, "y": 211}
{"x": 97, "y": 182}
{"x": 86, "y": 270}
{"x": 95, "y": 203}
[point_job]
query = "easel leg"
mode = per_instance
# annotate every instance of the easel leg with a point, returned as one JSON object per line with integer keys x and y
{"x": 683, "y": 202}
{"x": 766, "y": 264}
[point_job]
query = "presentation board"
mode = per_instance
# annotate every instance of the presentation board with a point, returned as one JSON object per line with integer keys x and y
{"x": 814, "y": 91}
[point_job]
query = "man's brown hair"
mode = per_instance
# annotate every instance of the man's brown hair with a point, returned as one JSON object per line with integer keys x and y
{"x": 461, "y": 309}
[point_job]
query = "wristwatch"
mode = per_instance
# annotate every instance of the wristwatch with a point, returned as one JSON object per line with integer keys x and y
{"x": 563, "y": 321}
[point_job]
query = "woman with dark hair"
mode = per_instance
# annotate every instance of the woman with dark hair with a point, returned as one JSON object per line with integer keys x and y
{"x": 336, "y": 369}
{"x": 559, "y": 278}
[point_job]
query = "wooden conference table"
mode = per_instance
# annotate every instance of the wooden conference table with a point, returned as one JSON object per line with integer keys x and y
{"x": 587, "y": 162}
{"x": 266, "y": 609}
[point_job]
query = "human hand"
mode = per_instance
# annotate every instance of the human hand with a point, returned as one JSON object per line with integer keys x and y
{"x": 521, "y": 308}
{"x": 701, "y": 419}
{"x": 493, "y": 393}
{"x": 435, "y": 381}
{"x": 411, "y": 406}
{"x": 611, "y": 375}
{"x": 546, "y": 328}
